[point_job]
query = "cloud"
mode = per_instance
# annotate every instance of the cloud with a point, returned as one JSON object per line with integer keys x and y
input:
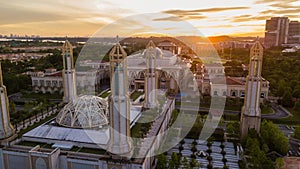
{"x": 197, "y": 11}
{"x": 274, "y": 1}
{"x": 217, "y": 26}
{"x": 281, "y": 12}
{"x": 170, "y": 18}
{"x": 193, "y": 14}
{"x": 284, "y": 5}
{"x": 254, "y": 25}
{"x": 247, "y": 18}
{"x": 19, "y": 15}
{"x": 58, "y": 10}
{"x": 179, "y": 18}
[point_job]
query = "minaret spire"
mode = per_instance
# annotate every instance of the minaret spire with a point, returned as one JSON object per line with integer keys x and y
{"x": 151, "y": 77}
{"x": 6, "y": 129}
{"x": 251, "y": 113}
{"x": 69, "y": 77}
{"x": 1, "y": 76}
{"x": 120, "y": 142}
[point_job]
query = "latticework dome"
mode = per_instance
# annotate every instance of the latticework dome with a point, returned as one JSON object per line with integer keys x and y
{"x": 84, "y": 112}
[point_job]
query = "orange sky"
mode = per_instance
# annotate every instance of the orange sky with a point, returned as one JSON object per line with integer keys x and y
{"x": 84, "y": 18}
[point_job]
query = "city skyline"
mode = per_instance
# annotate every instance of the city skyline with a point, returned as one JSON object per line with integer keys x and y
{"x": 62, "y": 18}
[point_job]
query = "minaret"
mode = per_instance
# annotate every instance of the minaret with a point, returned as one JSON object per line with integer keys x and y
{"x": 120, "y": 142}
{"x": 69, "y": 78}
{"x": 251, "y": 114}
{"x": 6, "y": 129}
{"x": 151, "y": 77}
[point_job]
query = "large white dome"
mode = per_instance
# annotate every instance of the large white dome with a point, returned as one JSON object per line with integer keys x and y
{"x": 84, "y": 112}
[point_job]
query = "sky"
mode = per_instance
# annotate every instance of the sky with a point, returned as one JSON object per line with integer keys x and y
{"x": 84, "y": 18}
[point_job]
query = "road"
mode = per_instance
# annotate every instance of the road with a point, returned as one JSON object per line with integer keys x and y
{"x": 278, "y": 113}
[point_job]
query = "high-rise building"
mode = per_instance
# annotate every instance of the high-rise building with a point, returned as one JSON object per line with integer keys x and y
{"x": 251, "y": 113}
{"x": 294, "y": 32}
{"x": 69, "y": 78}
{"x": 6, "y": 129}
{"x": 277, "y": 29}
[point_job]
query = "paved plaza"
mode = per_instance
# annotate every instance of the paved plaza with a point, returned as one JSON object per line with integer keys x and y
{"x": 231, "y": 157}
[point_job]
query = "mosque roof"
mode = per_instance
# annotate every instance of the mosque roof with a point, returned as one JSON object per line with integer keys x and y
{"x": 84, "y": 112}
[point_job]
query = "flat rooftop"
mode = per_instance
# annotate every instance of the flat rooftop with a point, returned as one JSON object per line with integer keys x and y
{"x": 52, "y": 133}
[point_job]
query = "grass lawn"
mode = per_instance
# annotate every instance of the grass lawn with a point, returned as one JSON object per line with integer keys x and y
{"x": 41, "y": 96}
{"x": 234, "y": 108}
{"x": 136, "y": 95}
{"x": 105, "y": 94}
{"x": 33, "y": 144}
{"x": 266, "y": 109}
{"x": 291, "y": 120}
{"x": 92, "y": 151}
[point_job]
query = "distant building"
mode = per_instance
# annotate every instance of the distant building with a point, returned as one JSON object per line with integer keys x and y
{"x": 280, "y": 31}
{"x": 294, "y": 32}
{"x": 169, "y": 46}
{"x": 49, "y": 81}
{"x": 277, "y": 29}
{"x": 210, "y": 79}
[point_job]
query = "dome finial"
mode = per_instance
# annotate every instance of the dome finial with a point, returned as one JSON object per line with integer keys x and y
{"x": 117, "y": 39}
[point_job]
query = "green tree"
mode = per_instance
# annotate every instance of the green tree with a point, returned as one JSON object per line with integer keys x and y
{"x": 279, "y": 163}
{"x": 258, "y": 158}
{"x": 185, "y": 163}
{"x": 162, "y": 162}
{"x": 287, "y": 99}
{"x": 274, "y": 137}
{"x": 12, "y": 107}
{"x": 281, "y": 88}
{"x": 194, "y": 163}
{"x": 297, "y": 132}
{"x": 297, "y": 105}
{"x": 27, "y": 107}
{"x": 174, "y": 162}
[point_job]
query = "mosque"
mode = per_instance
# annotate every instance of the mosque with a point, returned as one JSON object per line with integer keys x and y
{"x": 90, "y": 132}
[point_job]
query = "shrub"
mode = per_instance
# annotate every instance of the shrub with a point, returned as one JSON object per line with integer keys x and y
{"x": 193, "y": 156}
{"x": 224, "y": 160}
{"x": 209, "y": 166}
{"x": 209, "y": 158}
{"x": 180, "y": 148}
{"x": 208, "y": 151}
{"x": 182, "y": 142}
{"x": 222, "y": 146}
{"x": 194, "y": 149}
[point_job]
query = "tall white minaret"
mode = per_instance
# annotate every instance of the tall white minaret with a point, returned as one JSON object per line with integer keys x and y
{"x": 150, "y": 86}
{"x": 69, "y": 78}
{"x": 120, "y": 142}
{"x": 251, "y": 113}
{"x": 6, "y": 129}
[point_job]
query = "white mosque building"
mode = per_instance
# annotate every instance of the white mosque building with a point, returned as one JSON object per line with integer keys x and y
{"x": 90, "y": 132}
